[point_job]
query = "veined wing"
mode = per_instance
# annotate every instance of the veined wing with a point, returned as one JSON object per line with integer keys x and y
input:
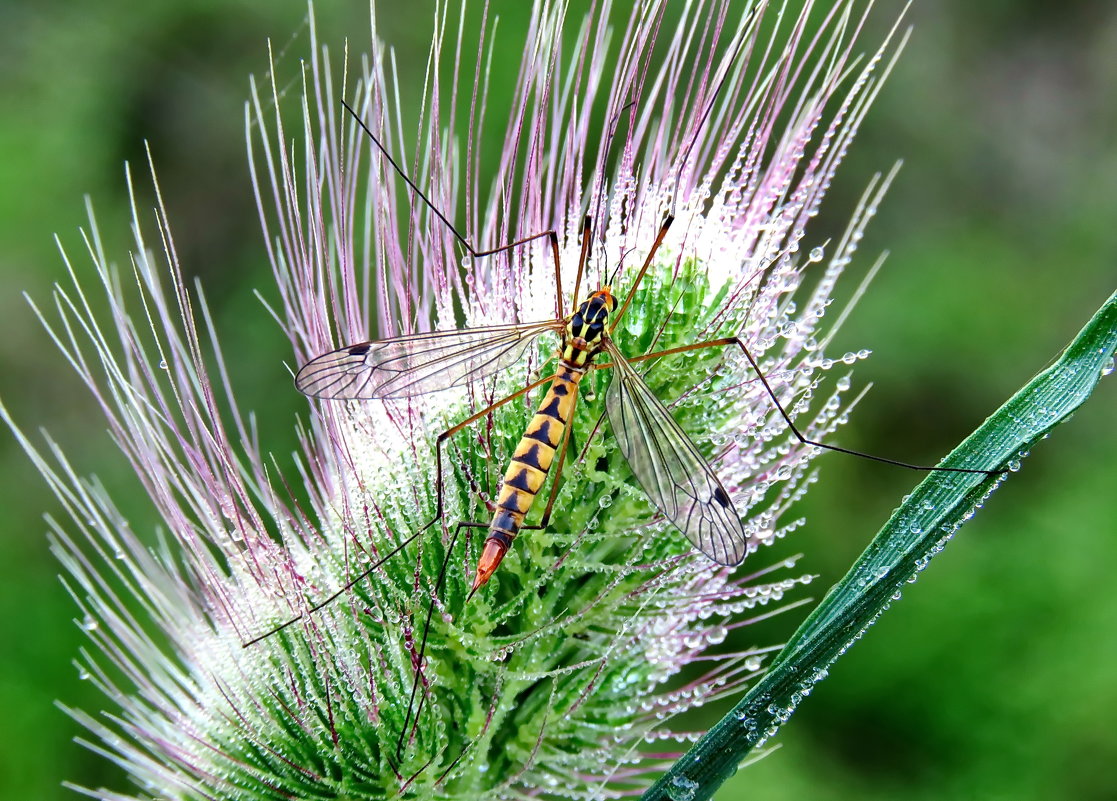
{"x": 669, "y": 467}
{"x": 417, "y": 363}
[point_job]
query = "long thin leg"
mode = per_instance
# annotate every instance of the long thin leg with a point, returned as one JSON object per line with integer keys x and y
{"x": 592, "y": 434}
{"x": 411, "y": 710}
{"x": 556, "y": 475}
{"x": 542, "y": 524}
{"x": 426, "y": 632}
{"x": 445, "y": 435}
{"x": 449, "y": 550}
{"x": 670, "y": 218}
{"x": 340, "y": 591}
{"x": 714, "y": 343}
{"x": 552, "y": 235}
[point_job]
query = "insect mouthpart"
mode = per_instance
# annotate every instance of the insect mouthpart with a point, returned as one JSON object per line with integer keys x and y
{"x": 606, "y": 294}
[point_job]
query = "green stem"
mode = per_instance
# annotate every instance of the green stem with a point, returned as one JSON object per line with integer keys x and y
{"x": 917, "y": 530}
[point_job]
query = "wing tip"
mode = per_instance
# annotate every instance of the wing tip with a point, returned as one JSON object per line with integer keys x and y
{"x": 733, "y": 559}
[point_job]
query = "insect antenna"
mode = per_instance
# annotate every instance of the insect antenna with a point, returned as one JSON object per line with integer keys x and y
{"x": 616, "y": 269}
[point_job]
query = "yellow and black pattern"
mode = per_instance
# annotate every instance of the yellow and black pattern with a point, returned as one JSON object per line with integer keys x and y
{"x": 674, "y": 474}
{"x": 583, "y": 338}
{"x": 528, "y": 469}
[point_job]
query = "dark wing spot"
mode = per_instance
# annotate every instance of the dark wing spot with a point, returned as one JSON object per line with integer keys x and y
{"x": 721, "y": 497}
{"x": 359, "y": 350}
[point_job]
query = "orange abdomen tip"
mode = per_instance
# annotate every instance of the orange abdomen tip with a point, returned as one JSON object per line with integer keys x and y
{"x": 491, "y": 556}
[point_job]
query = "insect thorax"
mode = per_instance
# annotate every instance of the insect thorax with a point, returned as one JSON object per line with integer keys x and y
{"x": 585, "y": 330}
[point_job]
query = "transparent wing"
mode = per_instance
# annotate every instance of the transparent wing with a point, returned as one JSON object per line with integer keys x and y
{"x": 669, "y": 467}
{"x": 418, "y": 363}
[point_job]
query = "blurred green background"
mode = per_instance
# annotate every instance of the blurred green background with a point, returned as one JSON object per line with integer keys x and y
{"x": 995, "y": 678}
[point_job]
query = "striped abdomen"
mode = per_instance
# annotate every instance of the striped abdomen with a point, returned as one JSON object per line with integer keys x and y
{"x": 528, "y": 470}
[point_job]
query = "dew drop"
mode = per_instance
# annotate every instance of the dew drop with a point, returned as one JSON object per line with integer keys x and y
{"x": 683, "y": 788}
{"x": 817, "y": 254}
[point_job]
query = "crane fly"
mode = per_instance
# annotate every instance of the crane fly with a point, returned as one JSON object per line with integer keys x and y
{"x": 667, "y": 464}
{"x": 665, "y": 461}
